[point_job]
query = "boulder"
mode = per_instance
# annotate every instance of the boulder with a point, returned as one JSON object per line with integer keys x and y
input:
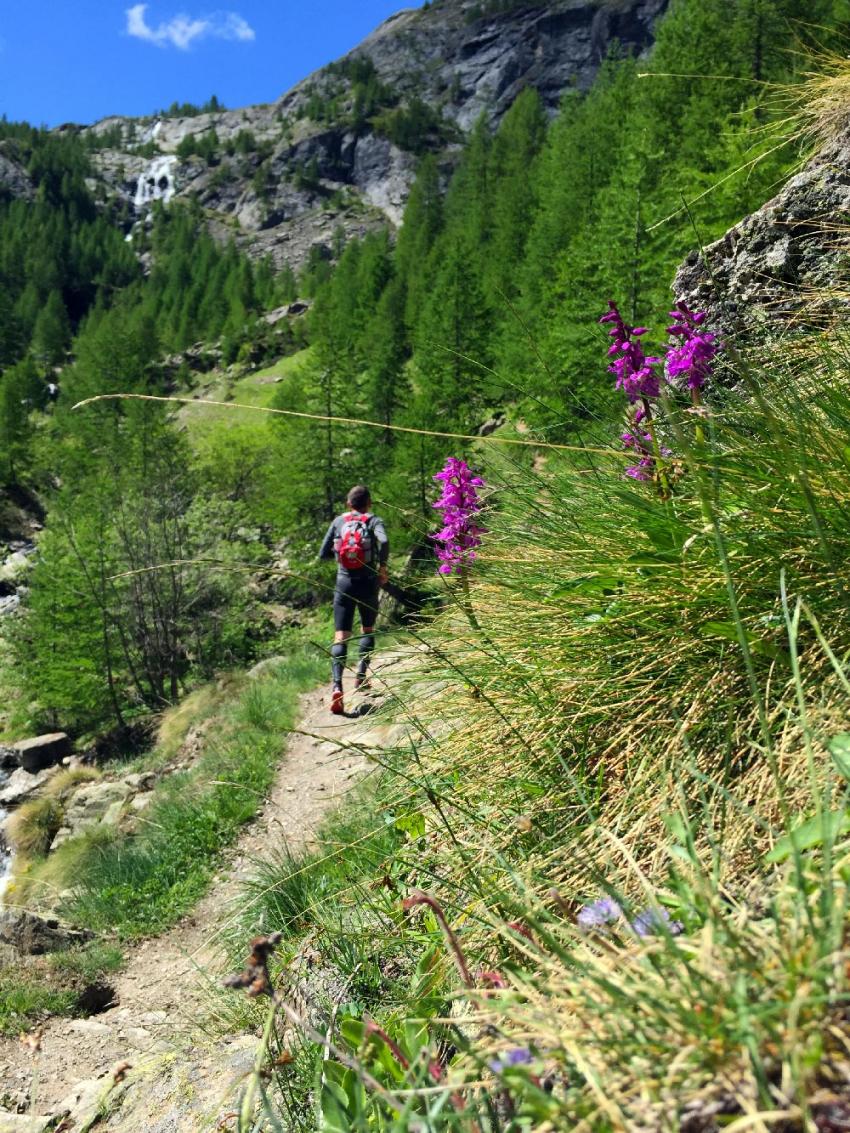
{"x": 92, "y": 804}
{"x": 20, "y": 786}
{"x": 84, "y": 1105}
{"x": 32, "y": 935}
{"x": 41, "y": 752}
{"x": 141, "y": 781}
{"x": 8, "y": 758}
{"x": 24, "y": 1123}
{"x": 140, "y": 803}
{"x": 781, "y": 263}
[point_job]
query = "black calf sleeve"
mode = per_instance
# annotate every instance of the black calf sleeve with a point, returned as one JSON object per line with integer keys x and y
{"x": 367, "y": 648}
{"x": 339, "y": 653}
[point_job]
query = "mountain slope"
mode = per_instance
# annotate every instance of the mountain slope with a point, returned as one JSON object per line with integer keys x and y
{"x": 340, "y": 149}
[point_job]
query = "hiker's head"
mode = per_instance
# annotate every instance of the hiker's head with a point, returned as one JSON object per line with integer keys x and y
{"x": 358, "y": 498}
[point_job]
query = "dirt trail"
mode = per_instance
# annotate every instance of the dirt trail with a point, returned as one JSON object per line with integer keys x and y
{"x": 179, "y": 1081}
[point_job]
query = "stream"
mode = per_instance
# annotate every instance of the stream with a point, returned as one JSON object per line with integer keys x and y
{"x": 13, "y": 568}
{"x": 5, "y": 853}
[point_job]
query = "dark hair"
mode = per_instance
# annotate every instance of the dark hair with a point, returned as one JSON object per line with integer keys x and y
{"x": 359, "y": 498}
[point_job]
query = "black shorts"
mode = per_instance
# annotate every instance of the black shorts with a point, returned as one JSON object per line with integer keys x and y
{"x": 353, "y": 593}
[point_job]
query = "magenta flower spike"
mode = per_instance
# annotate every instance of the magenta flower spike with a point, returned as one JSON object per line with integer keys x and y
{"x": 635, "y": 372}
{"x": 460, "y": 504}
{"x": 690, "y": 362}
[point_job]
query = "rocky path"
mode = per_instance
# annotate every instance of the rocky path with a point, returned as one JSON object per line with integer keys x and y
{"x": 145, "y": 1064}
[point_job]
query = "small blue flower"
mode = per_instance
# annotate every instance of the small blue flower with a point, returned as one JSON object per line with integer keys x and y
{"x": 602, "y": 912}
{"x": 655, "y": 922}
{"x": 519, "y": 1056}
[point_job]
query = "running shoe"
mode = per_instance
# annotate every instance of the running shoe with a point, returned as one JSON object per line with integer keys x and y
{"x": 337, "y": 706}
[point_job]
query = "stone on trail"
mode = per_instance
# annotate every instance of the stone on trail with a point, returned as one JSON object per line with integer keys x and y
{"x": 23, "y": 1123}
{"x": 83, "y": 1107}
{"x": 32, "y": 935}
{"x": 43, "y": 751}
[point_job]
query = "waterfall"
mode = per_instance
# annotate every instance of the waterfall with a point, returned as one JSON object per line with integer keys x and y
{"x": 5, "y": 852}
{"x": 156, "y": 182}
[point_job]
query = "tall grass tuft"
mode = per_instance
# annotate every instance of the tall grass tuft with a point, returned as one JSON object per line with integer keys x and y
{"x": 629, "y": 794}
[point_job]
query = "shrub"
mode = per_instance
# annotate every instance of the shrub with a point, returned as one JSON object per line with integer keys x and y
{"x": 34, "y": 825}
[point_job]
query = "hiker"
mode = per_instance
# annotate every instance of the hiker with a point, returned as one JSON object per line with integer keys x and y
{"x": 358, "y": 541}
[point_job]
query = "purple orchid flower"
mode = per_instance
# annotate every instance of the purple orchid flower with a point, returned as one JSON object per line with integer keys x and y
{"x": 460, "y": 504}
{"x": 634, "y": 370}
{"x": 690, "y": 363}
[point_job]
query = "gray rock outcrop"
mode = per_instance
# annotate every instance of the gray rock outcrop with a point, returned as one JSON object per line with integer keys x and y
{"x": 780, "y": 265}
{"x": 456, "y": 55}
{"x": 93, "y": 804}
{"x": 24, "y": 1123}
{"x": 20, "y": 786}
{"x": 41, "y": 752}
{"x": 14, "y": 179}
{"x": 32, "y": 935}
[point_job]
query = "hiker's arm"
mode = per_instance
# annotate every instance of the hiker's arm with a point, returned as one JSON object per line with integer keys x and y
{"x": 327, "y": 551}
{"x": 380, "y": 533}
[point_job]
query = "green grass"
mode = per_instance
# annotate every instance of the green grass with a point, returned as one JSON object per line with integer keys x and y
{"x": 256, "y": 389}
{"x": 90, "y": 963}
{"x": 36, "y": 988}
{"x": 139, "y": 886}
{"x": 295, "y": 894}
{"x": 25, "y": 1002}
{"x": 649, "y": 704}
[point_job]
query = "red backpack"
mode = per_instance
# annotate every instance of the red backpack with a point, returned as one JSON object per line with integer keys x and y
{"x": 354, "y": 546}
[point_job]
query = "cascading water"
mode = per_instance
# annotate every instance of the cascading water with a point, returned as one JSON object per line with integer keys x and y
{"x": 5, "y": 853}
{"x": 156, "y": 182}
{"x": 12, "y": 574}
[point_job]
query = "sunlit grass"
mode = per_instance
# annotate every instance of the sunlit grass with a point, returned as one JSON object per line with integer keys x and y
{"x": 255, "y": 389}
{"x": 654, "y": 709}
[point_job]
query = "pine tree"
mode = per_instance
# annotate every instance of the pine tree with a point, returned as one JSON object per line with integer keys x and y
{"x": 423, "y": 219}
{"x": 453, "y": 337}
{"x": 512, "y": 192}
{"x": 19, "y": 395}
{"x": 52, "y": 332}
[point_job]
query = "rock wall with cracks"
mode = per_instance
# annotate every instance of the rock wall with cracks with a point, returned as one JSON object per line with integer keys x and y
{"x": 782, "y": 267}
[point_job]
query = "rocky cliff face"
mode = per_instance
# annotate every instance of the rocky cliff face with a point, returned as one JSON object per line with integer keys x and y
{"x": 284, "y": 176}
{"x": 782, "y": 265}
{"x": 14, "y": 179}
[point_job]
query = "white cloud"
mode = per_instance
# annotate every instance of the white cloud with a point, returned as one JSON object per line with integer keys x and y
{"x": 182, "y": 31}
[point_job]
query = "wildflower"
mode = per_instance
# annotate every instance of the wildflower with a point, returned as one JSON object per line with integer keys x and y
{"x": 641, "y": 443}
{"x": 605, "y": 911}
{"x": 690, "y": 362}
{"x": 654, "y": 922}
{"x": 519, "y": 1056}
{"x": 460, "y": 504}
{"x": 255, "y": 977}
{"x": 634, "y": 370}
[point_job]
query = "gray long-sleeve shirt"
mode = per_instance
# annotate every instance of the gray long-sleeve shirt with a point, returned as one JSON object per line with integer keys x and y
{"x": 380, "y": 542}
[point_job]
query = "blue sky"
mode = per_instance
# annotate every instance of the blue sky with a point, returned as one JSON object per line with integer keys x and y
{"x": 80, "y": 60}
